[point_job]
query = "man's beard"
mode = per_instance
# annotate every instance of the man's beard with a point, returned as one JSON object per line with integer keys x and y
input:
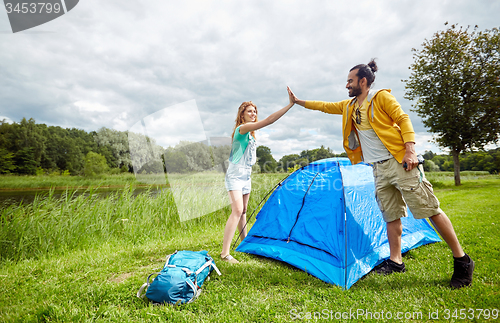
{"x": 354, "y": 91}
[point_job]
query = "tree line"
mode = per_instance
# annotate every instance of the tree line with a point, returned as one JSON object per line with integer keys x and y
{"x": 481, "y": 160}
{"x": 267, "y": 163}
{"x": 30, "y": 148}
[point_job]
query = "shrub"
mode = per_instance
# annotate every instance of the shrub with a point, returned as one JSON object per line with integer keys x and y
{"x": 95, "y": 164}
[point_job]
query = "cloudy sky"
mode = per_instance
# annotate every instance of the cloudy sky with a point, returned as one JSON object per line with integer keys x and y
{"x": 179, "y": 69}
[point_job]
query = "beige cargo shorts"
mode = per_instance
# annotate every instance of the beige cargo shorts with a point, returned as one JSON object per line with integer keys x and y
{"x": 395, "y": 188}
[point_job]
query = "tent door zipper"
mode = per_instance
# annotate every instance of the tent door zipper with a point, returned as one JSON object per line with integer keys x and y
{"x": 298, "y": 213}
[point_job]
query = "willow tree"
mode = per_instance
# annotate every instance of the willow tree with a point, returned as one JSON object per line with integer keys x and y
{"x": 455, "y": 87}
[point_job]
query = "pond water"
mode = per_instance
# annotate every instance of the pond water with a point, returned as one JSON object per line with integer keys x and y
{"x": 8, "y": 198}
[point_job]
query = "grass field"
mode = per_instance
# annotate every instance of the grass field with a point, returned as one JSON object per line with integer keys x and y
{"x": 20, "y": 182}
{"x": 83, "y": 258}
{"x": 27, "y": 182}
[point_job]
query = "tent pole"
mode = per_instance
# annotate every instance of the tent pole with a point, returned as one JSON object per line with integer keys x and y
{"x": 272, "y": 189}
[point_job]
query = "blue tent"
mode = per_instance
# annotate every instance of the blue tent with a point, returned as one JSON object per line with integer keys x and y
{"x": 324, "y": 219}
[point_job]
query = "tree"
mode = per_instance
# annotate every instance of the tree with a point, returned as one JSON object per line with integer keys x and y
{"x": 287, "y": 161}
{"x": 221, "y": 153}
{"x": 496, "y": 156}
{"x": 316, "y": 154}
{"x": 143, "y": 150}
{"x": 61, "y": 151}
{"x": 25, "y": 162}
{"x": 117, "y": 144}
{"x": 266, "y": 161}
{"x": 428, "y": 155}
{"x": 95, "y": 164}
{"x": 175, "y": 161}
{"x": 198, "y": 155}
{"x": 429, "y": 166}
{"x": 6, "y": 161}
{"x": 322, "y": 153}
{"x": 26, "y": 141}
{"x": 455, "y": 81}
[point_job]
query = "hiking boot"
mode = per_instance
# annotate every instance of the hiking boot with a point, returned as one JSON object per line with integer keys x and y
{"x": 462, "y": 272}
{"x": 229, "y": 259}
{"x": 389, "y": 267}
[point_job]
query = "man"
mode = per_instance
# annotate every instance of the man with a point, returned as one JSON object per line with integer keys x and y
{"x": 377, "y": 131}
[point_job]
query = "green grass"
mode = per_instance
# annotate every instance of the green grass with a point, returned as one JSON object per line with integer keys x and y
{"x": 447, "y": 179}
{"x": 83, "y": 258}
{"x": 23, "y": 182}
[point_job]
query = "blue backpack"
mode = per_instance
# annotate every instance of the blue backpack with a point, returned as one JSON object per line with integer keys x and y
{"x": 180, "y": 280}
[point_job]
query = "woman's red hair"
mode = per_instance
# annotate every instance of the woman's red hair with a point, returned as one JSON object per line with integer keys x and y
{"x": 240, "y": 118}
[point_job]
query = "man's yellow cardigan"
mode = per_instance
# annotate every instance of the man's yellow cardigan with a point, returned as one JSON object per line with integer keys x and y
{"x": 386, "y": 117}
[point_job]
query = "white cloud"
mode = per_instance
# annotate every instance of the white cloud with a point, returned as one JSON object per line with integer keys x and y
{"x": 113, "y": 63}
{"x": 6, "y": 119}
{"x": 90, "y": 107}
{"x": 171, "y": 125}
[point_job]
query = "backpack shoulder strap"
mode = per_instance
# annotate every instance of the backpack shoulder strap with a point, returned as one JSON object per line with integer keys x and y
{"x": 144, "y": 287}
{"x": 139, "y": 293}
{"x": 168, "y": 259}
{"x": 208, "y": 263}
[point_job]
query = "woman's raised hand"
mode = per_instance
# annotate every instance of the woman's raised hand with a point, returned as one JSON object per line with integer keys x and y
{"x": 291, "y": 96}
{"x": 294, "y": 99}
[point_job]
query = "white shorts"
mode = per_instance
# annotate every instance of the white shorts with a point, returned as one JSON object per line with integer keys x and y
{"x": 238, "y": 178}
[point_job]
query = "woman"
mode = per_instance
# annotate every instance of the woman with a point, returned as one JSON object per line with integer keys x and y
{"x": 238, "y": 182}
